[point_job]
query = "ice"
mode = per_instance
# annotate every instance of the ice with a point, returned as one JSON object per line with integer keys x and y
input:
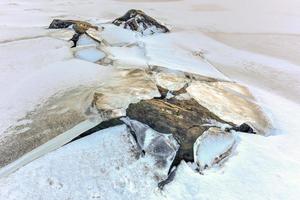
{"x": 85, "y": 40}
{"x": 231, "y": 102}
{"x": 167, "y": 54}
{"x": 90, "y": 54}
{"x": 212, "y": 147}
{"x": 162, "y": 146}
{"x": 117, "y": 36}
{"x": 128, "y": 57}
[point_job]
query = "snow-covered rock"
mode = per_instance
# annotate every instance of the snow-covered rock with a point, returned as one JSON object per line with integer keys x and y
{"x": 137, "y": 20}
{"x": 212, "y": 147}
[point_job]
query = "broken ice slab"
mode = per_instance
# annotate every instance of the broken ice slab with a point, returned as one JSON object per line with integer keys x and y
{"x": 90, "y": 54}
{"x": 212, "y": 147}
{"x": 162, "y": 146}
{"x": 231, "y": 102}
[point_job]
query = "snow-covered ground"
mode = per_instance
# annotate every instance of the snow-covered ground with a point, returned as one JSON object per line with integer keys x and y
{"x": 36, "y": 63}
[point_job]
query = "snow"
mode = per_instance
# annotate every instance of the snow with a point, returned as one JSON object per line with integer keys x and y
{"x": 102, "y": 165}
{"x": 168, "y": 54}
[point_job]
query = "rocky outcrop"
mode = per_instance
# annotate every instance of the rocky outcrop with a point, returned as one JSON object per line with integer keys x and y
{"x": 80, "y": 27}
{"x": 137, "y": 20}
{"x": 185, "y": 119}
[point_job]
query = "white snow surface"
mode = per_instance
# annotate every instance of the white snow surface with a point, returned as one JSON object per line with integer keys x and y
{"x": 100, "y": 166}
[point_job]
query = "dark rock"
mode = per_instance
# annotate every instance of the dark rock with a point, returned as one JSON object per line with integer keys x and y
{"x": 60, "y": 24}
{"x": 244, "y": 128}
{"x": 80, "y": 27}
{"x": 101, "y": 126}
{"x": 137, "y": 20}
{"x": 183, "y": 118}
{"x": 163, "y": 92}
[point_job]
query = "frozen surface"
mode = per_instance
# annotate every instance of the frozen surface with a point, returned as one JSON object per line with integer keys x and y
{"x": 90, "y": 54}
{"x": 117, "y": 36}
{"x": 232, "y": 103}
{"x": 168, "y": 54}
{"x": 261, "y": 168}
{"x": 212, "y": 147}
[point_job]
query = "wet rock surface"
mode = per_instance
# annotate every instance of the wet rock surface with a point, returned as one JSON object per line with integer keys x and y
{"x": 137, "y": 20}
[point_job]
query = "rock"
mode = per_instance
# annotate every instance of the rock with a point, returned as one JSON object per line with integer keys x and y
{"x": 59, "y": 24}
{"x": 137, "y": 20}
{"x": 213, "y": 146}
{"x": 185, "y": 119}
{"x": 244, "y": 128}
{"x": 232, "y": 103}
{"x": 80, "y": 27}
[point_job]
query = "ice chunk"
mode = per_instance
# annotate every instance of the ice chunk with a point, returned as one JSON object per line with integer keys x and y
{"x": 212, "y": 146}
{"x": 117, "y": 36}
{"x": 90, "y": 54}
{"x": 86, "y": 40}
{"x": 231, "y": 102}
{"x": 161, "y": 146}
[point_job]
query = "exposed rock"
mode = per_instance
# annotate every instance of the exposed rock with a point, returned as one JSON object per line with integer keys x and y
{"x": 80, "y": 27}
{"x": 213, "y": 146}
{"x": 185, "y": 119}
{"x": 246, "y": 128}
{"x": 137, "y": 20}
{"x": 231, "y": 102}
{"x": 59, "y": 24}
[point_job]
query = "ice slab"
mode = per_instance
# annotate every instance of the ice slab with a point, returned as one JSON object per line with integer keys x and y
{"x": 212, "y": 147}
{"x": 90, "y": 54}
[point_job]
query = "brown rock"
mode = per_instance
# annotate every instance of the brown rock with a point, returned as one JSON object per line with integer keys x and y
{"x": 185, "y": 119}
